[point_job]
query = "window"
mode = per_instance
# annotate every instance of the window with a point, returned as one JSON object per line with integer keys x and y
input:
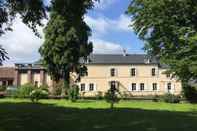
{"x": 141, "y": 86}
{"x": 133, "y": 72}
{"x": 112, "y": 72}
{"x": 91, "y": 87}
{"x": 153, "y": 72}
{"x": 83, "y": 87}
{"x": 133, "y": 87}
{"x": 169, "y": 86}
{"x": 154, "y": 86}
{"x": 167, "y": 75}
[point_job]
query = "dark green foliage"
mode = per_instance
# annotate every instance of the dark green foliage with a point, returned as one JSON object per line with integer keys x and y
{"x": 57, "y": 89}
{"x": 3, "y": 55}
{"x": 25, "y": 90}
{"x": 190, "y": 93}
{"x": 73, "y": 93}
{"x": 111, "y": 96}
{"x": 66, "y": 39}
{"x": 44, "y": 87}
{"x": 38, "y": 94}
{"x": 170, "y": 98}
{"x": 156, "y": 98}
{"x": 169, "y": 29}
{"x": 2, "y": 88}
{"x": 99, "y": 95}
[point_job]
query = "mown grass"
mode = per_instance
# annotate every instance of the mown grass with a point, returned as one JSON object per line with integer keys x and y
{"x": 87, "y": 115}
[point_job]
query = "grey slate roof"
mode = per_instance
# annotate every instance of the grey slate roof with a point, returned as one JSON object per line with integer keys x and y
{"x": 103, "y": 59}
{"x": 121, "y": 59}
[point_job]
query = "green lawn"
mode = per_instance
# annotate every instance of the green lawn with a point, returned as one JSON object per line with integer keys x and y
{"x": 62, "y": 115}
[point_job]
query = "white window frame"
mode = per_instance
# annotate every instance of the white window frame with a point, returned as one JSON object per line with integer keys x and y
{"x": 80, "y": 87}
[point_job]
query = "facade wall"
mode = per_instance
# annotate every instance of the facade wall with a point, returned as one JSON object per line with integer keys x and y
{"x": 99, "y": 75}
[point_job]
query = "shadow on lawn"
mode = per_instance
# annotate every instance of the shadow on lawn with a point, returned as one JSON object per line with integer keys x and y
{"x": 47, "y": 117}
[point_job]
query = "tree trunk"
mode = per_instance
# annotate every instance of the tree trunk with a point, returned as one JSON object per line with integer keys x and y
{"x": 111, "y": 105}
{"x": 66, "y": 83}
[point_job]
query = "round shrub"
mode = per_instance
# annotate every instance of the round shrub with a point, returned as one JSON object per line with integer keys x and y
{"x": 170, "y": 98}
{"x": 73, "y": 93}
{"x": 38, "y": 94}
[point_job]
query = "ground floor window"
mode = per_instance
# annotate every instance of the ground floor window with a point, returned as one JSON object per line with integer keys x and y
{"x": 169, "y": 86}
{"x": 133, "y": 87}
{"x": 141, "y": 86}
{"x": 154, "y": 86}
{"x": 82, "y": 88}
{"x": 91, "y": 87}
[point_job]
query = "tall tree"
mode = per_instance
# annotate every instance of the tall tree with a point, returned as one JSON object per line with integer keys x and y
{"x": 66, "y": 39}
{"x": 30, "y": 11}
{"x": 169, "y": 30}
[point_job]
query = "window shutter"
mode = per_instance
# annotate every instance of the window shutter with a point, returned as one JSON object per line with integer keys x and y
{"x": 129, "y": 87}
{"x": 87, "y": 87}
{"x": 137, "y": 87}
{"x": 95, "y": 87}
{"x": 158, "y": 87}
{"x": 116, "y": 72}
{"x": 172, "y": 88}
{"x": 166, "y": 88}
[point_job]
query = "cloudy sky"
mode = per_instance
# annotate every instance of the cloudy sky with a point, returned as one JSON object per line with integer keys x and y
{"x": 110, "y": 34}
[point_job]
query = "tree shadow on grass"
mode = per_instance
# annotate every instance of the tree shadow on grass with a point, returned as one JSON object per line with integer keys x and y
{"x": 48, "y": 117}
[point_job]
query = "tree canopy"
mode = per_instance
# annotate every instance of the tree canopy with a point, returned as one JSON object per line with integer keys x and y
{"x": 30, "y": 11}
{"x": 66, "y": 38}
{"x": 169, "y": 30}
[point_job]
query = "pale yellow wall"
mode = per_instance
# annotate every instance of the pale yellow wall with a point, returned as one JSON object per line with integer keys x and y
{"x": 100, "y": 76}
{"x": 23, "y": 78}
{"x": 36, "y": 77}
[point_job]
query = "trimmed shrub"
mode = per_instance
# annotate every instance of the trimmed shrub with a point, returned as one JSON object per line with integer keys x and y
{"x": 170, "y": 98}
{"x": 38, "y": 94}
{"x": 73, "y": 93}
{"x": 25, "y": 90}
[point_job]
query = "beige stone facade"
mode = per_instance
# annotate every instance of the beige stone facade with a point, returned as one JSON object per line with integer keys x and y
{"x": 142, "y": 84}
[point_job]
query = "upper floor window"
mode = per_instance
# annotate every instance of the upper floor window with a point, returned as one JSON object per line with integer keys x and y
{"x": 133, "y": 72}
{"x": 154, "y": 86}
{"x": 113, "y": 72}
{"x": 91, "y": 87}
{"x": 82, "y": 87}
{"x": 168, "y": 75}
{"x": 141, "y": 86}
{"x": 153, "y": 72}
{"x": 133, "y": 87}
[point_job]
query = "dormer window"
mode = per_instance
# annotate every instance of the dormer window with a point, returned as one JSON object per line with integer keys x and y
{"x": 112, "y": 72}
{"x": 133, "y": 72}
{"x": 153, "y": 72}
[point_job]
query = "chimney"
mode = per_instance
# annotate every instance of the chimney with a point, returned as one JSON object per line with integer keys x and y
{"x": 124, "y": 52}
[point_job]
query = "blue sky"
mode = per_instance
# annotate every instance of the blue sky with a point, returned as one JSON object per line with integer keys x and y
{"x": 110, "y": 33}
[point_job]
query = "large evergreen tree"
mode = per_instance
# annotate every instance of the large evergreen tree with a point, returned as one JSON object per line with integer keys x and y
{"x": 66, "y": 39}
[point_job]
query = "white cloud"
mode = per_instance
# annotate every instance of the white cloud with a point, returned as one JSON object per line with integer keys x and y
{"x": 103, "y": 4}
{"x": 103, "y": 25}
{"x": 21, "y": 43}
{"x": 106, "y": 47}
